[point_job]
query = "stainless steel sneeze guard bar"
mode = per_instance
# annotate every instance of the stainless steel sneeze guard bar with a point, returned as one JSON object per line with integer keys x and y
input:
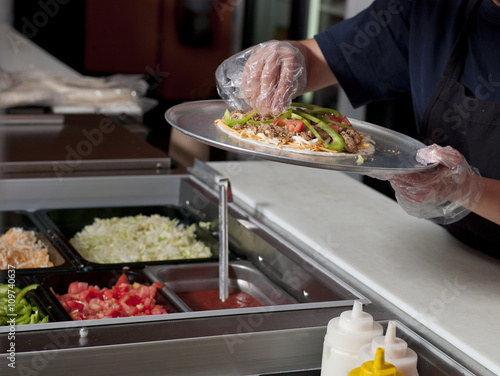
{"x": 210, "y": 176}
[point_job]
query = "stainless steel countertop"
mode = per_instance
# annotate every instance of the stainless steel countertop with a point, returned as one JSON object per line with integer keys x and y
{"x": 448, "y": 289}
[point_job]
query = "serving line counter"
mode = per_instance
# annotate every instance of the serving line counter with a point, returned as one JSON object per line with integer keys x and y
{"x": 37, "y": 145}
{"x": 444, "y": 286}
{"x": 321, "y": 239}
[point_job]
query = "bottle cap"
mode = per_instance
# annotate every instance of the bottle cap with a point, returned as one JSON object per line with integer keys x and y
{"x": 394, "y": 347}
{"x": 376, "y": 367}
{"x": 352, "y": 329}
{"x": 396, "y": 351}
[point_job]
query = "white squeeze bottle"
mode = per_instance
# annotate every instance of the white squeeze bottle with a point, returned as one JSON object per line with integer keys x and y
{"x": 345, "y": 335}
{"x": 397, "y": 351}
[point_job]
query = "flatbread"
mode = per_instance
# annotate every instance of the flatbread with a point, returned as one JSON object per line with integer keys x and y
{"x": 299, "y": 145}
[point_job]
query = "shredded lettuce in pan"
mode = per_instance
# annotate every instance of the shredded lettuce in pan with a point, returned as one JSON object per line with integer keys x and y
{"x": 139, "y": 238}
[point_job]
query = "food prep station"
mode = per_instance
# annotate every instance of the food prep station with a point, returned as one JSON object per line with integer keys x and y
{"x": 300, "y": 294}
{"x": 299, "y": 264}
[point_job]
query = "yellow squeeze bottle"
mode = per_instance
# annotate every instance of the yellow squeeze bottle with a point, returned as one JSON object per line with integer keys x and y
{"x": 377, "y": 367}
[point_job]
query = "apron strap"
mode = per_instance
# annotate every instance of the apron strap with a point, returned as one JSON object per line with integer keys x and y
{"x": 454, "y": 65}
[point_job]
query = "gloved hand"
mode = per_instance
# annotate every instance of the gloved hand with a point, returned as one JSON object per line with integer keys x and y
{"x": 445, "y": 194}
{"x": 265, "y": 77}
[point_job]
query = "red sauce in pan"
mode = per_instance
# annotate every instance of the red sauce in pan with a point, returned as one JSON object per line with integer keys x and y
{"x": 206, "y": 300}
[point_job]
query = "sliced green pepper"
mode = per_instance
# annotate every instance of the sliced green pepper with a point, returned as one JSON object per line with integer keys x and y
{"x": 309, "y": 126}
{"x": 20, "y": 319}
{"x": 325, "y": 119}
{"x": 286, "y": 114}
{"x": 24, "y": 291}
{"x": 24, "y": 322}
{"x": 337, "y": 143}
{"x": 34, "y": 318}
{"x": 22, "y": 303}
{"x": 25, "y": 308}
{"x": 260, "y": 122}
{"x": 314, "y": 109}
{"x": 227, "y": 116}
{"x": 4, "y": 289}
{"x": 232, "y": 122}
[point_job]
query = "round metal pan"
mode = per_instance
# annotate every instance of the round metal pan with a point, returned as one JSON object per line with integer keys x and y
{"x": 395, "y": 153}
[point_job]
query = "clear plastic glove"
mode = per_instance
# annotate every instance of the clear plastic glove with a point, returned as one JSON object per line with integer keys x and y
{"x": 445, "y": 194}
{"x": 265, "y": 77}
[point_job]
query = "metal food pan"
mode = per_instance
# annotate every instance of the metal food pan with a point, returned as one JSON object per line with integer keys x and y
{"x": 65, "y": 223}
{"x": 26, "y": 221}
{"x": 243, "y": 276}
{"x": 58, "y": 283}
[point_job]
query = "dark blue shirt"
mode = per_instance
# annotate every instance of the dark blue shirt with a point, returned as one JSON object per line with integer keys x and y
{"x": 400, "y": 47}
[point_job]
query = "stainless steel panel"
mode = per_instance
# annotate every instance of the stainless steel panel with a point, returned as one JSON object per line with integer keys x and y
{"x": 243, "y": 353}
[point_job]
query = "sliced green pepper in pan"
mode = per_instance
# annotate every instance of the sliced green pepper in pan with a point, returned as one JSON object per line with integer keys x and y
{"x": 22, "y": 308}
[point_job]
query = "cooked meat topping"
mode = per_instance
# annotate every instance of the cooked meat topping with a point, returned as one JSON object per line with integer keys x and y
{"x": 275, "y": 131}
{"x": 237, "y": 115}
{"x": 279, "y": 132}
{"x": 259, "y": 117}
{"x": 349, "y": 144}
{"x": 307, "y": 135}
{"x": 354, "y": 134}
{"x": 351, "y": 139}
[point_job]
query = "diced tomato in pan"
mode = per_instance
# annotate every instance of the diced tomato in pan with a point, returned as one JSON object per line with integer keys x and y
{"x": 123, "y": 279}
{"x": 85, "y": 302}
{"x": 74, "y": 304}
{"x": 73, "y": 288}
{"x": 107, "y": 294}
{"x": 158, "y": 285}
{"x": 84, "y": 295}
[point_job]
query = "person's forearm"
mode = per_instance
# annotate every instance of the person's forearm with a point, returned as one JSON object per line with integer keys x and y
{"x": 489, "y": 203}
{"x": 319, "y": 74}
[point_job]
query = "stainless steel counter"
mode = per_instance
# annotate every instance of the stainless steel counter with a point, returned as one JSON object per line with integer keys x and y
{"x": 259, "y": 342}
{"x": 73, "y": 145}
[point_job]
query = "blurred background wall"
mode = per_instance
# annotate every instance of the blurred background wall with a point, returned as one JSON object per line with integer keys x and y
{"x": 178, "y": 44}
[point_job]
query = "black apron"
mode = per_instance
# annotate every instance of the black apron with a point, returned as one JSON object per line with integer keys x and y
{"x": 472, "y": 126}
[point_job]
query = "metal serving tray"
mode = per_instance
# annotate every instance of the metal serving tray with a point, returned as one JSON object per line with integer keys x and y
{"x": 65, "y": 223}
{"x": 26, "y": 221}
{"x": 195, "y": 277}
{"x": 395, "y": 152}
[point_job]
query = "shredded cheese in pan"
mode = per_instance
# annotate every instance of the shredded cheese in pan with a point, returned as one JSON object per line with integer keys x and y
{"x": 23, "y": 250}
